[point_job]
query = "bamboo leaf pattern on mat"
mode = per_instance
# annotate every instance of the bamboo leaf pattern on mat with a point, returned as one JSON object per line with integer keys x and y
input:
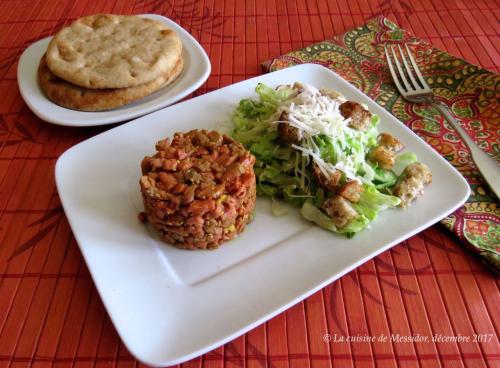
{"x": 49, "y": 220}
{"x": 15, "y": 132}
{"x": 189, "y": 15}
{"x": 7, "y": 62}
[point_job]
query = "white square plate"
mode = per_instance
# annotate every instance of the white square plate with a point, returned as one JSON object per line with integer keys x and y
{"x": 195, "y": 72}
{"x": 170, "y": 305}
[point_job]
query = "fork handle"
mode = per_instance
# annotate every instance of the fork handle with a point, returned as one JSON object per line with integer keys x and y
{"x": 486, "y": 165}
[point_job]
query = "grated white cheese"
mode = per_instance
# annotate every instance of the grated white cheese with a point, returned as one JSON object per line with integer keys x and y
{"x": 312, "y": 114}
{"x": 325, "y": 167}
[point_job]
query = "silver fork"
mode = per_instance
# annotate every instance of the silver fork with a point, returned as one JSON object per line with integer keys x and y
{"x": 412, "y": 87}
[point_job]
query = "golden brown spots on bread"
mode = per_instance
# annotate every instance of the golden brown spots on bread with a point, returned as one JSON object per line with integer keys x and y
{"x": 103, "y": 43}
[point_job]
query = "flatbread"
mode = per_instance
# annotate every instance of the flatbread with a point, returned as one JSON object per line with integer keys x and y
{"x": 84, "y": 99}
{"x": 113, "y": 51}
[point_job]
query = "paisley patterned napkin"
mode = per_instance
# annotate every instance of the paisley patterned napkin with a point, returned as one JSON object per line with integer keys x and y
{"x": 472, "y": 93}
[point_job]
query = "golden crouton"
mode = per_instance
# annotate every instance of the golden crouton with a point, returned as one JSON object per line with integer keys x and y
{"x": 360, "y": 117}
{"x": 297, "y": 86}
{"x": 333, "y": 95}
{"x": 288, "y": 133}
{"x": 412, "y": 185}
{"x": 340, "y": 211}
{"x": 390, "y": 141}
{"x": 419, "y": 171}
{"x": 408, "y": 189}
{"x": 351, "y": 190}
{"x": 383, "y": 156}
{"x": 329, "y": 183}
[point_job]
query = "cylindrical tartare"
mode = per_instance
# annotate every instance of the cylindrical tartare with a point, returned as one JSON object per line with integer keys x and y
{"x": 198, "y": 190}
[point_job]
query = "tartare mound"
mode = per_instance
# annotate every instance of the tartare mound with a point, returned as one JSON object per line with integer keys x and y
{"x": 199, "y": 189}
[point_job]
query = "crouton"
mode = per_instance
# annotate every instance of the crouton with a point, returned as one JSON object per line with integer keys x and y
{"x": 333, "y": 95}
{"x": 383, "y": 156}
{"x": 389, "y": 141}
{"x": 415, "y": 176}
{"x": 408, "y": 189}
{"x": 288, "y": 133}
{"x": 360, "y": 117}
{"x": 419, "y": 171}
{"x": 351, "y": 191}
{"x": 297, "y": 86}
{"x": 330, "y": 182}
{"x": 340, "y": 211}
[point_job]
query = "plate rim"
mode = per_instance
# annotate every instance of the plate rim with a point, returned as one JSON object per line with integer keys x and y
{"x": 222, "y": 340}
{"x": 22, "y": 82}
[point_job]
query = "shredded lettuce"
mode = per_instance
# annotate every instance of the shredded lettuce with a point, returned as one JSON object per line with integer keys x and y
{"x": 283, "y": 171}
{"x": 384, "y": 178}
{"x": 402, "y": 161}
{"x": 312, "y": 213}
{"x": 372, "y": 198}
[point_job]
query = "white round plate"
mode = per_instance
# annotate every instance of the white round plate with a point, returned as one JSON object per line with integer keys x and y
{"x": 196, "y": 71}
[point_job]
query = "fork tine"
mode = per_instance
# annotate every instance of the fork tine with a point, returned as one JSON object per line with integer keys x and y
{"x": 401, "y": 72}
{"x": 416, "y": 68}
{"x": 408, "y": 69}
{"x": 393, "y": 72}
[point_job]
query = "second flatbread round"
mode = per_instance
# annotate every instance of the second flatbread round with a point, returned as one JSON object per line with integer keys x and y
{"x": 84, "y": 99}
{"x": 113, "y": 51}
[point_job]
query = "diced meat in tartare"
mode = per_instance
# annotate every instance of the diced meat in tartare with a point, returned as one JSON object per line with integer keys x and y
{"x": 198, "y": 190}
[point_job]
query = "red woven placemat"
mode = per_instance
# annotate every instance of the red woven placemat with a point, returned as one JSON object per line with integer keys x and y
{"x": 50, "y": 312}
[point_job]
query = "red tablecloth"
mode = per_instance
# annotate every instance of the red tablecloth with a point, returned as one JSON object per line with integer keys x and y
{"x": 50, "y": 312}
